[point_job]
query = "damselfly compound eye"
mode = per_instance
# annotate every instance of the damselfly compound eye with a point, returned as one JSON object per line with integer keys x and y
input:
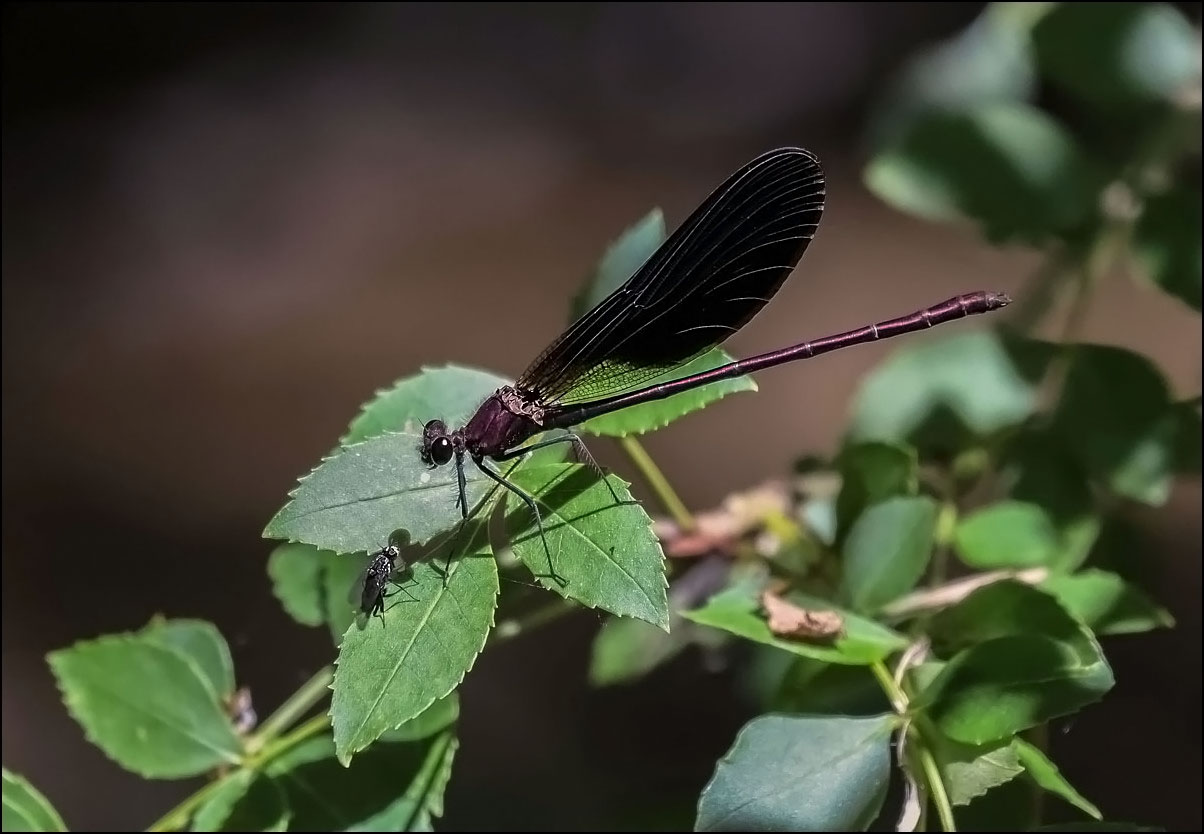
{"x": 441, "y": 450}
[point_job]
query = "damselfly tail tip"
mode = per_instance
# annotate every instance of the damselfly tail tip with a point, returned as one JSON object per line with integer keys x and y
{"x": 995, "y": 300}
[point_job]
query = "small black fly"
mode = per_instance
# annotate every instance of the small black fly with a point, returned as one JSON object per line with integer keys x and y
{"x": 372, "y": 587}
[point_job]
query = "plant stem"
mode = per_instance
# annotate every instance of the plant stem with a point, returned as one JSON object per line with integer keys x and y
{"x": 656, "y": 479}
{"x": 895, "y": 693}
{"x": 178, "y": 816}
{"x": 314, "y": 725}
{"x": 299, "y": 703}
{"x": 936, "y": 788}
{"x": 263, "y": 745}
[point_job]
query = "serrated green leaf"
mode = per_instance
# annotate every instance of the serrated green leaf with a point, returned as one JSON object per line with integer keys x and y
{"x": 622, "y": 258}
{"x": 245, "y": 801}
{"x": 394, "y": 786}
{"x": 970, "y": 771}
{"x": 996, "y": 689}
{"x": 201, "y": 643}
{"x": 1005, "y": 609}
{"x": 390, "y": 672}
{"x": 605, "y": 553}
{"x": 800, "y": 773}
{"x": 887, "y": 551}
{"x": 146, "y": 706}
{"x": 1168, "y": 243}
{"x": 1116, "y": 416}
{"x": 639, "y": 419}
{"x": 1010, "y": 534}
{"x": 26, "y": 809}
{"x": 1046, "y": 774}
{"x": 626, "y": 649}
{"x": 1007, "y": 165}
{"x": 297, "y": 572}
{"x": 1115, "y": 55}
{"x": 971, "y": 375}
{"x": 1106, "y": 603}
{"x": 450, "y": 393}
{"x": 355, "y": 499}
{"x": 869, "y": 474}
{"x": 737, "y": 611}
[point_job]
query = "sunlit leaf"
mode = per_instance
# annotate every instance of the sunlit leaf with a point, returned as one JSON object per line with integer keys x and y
{"x": 148, "y": 707}
{"x": 201, "y": 643}
{"x": 1010, "y": 534}
{"x": 604, "y": 552}
{"x": 1106, "y": 603}
{"x": 26, "y": 809}
{"x": 388, "y": 672}
{"x": 738, "y": 611}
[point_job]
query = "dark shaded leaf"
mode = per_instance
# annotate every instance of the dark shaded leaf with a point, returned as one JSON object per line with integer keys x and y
{"x": 1106, "y": 603}
{"x": 800, "y": 773}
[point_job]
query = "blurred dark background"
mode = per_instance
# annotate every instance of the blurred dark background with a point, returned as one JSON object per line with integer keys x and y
{"x": 226, "y": 225}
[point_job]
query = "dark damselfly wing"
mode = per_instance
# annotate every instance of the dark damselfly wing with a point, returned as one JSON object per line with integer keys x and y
{"x": 705, "y": 282}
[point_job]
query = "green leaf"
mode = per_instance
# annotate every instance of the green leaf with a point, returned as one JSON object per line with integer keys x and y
{"x": 390, "y": 672}
{"x": 887, "y": 551}
{"x": 146, "y": 706}
{"x": 297, "y": 572}
{"x": 1004, "y": 609}
{"x": 870, "y": 473}
{"x": 626, "y": 649}
{"x": 1046, "y": 774}
{"x": 1007, "y": 165}
{"x": 1106, "y": 603}
{"x": 450, "y": 393}
{"x": 200, "y": 642}
{"x": 1010, "y": 534}
{"x": 970, "y": 374}
{"x": 605, "y": 553}
{"x": 736, "y": 610}
{"x": 395, "y": 786}
{"x": 995, "y": 689}
{"x": 639, "y": 419}
{"x": 800, "y": 773}
{"x": 1117, "y": 417}
{"x": 1167, "y": 243}
{"x": 26, "y": 809}
{"x": 990, "y": 60}
{"x": 1114, "y": 55}
{"x": 970, "y": 771}
{"x": 245, "y": 801}
{"x": 623, "y": 257}
{"x": 357, "y": 498}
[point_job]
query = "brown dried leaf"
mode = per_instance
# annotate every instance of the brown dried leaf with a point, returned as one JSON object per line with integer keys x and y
{"x": 789, "y": 620}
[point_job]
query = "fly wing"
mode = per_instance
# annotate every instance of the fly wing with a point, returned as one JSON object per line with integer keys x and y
{"x": 705, "y": 282}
